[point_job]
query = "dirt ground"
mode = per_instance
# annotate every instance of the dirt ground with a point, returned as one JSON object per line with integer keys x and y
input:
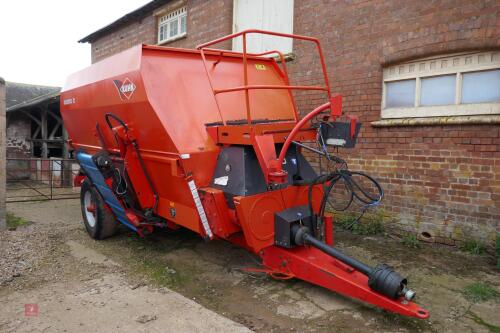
{"x": 130, "y": 284}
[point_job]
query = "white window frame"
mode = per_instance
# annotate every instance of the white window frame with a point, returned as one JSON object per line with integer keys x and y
{"x": 164, "y": 22}
{"x": 456, "y": 64}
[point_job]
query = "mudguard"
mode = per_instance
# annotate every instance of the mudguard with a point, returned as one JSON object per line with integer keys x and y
{"x": 88, "y": 165}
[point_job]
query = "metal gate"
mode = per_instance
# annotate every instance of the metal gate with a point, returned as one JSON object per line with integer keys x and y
{"x": 37, "y": 179}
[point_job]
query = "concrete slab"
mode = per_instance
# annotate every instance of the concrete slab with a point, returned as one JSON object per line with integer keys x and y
{"x": 109, "y": 304}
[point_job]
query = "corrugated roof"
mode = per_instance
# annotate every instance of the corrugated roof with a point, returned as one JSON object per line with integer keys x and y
{"x": 21, "y": 95}
{"x": 135, "y": 15}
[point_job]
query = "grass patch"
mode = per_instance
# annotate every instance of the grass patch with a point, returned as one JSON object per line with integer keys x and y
{"x": 13, "y": 221}
{"x": 344, "y": 218}
{"x": 147, "y": 260}
{"x": 497, "y": 250}
{"x": 480, "y": 292}
{"x": 480, "y": 321}
{"x": 472, "y": 246}
{"x": 410, "y": 240}
{"x": 412, "y": 324}
{"x": 369, "y": 224}
{"x": 160, "y": 274}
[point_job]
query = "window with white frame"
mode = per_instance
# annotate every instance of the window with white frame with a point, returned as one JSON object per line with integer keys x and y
{"x": 172, "y": 26}
{"x": 453, "y": 85}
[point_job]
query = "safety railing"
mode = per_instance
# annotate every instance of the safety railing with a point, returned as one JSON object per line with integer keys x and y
{"x": 245, "y": 55}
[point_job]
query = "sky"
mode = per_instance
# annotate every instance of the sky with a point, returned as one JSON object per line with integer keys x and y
{"x": 39, "y": 38}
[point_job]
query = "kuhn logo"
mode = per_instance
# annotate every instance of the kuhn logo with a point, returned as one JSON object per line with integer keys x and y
{"x": 125, "y": 88}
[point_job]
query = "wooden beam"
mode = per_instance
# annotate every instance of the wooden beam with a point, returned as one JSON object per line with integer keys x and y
{"x": 66, "y": 165}
{"x": 65, "y": 150}
{"x": 51, "y": 136}
{"x": 38, "y": 124}
{"x": 37, "y": 131}
{"x": 32, "y": 117}
{"x": 43, "y": 125}
{"x": 55, "y": 116}
{"x": 57, "y": 125}
{"x": 55, "y": 139}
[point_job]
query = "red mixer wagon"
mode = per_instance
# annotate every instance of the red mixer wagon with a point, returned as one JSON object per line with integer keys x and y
{"x": 211, "y": 140}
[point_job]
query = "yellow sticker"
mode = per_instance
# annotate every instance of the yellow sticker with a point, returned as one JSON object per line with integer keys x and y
{"x": 260, "y": 67}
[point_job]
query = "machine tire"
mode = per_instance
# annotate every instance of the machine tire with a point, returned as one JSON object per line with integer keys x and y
{"x": 100, "y": 223}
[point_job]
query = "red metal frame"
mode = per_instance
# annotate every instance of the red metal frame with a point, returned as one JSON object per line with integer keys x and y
{"x": 271, "y": 166}
{"x": 312, "y": 265}
{"x": 245, "y": 55}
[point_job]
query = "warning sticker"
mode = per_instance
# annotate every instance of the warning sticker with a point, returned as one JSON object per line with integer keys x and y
{"x": 260, "y": 67}
{"x": 221, "y": 180}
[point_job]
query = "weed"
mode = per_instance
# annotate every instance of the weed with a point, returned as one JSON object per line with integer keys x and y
{"x": 412, "y": 324}
{"x": 149, "y": 262}
{"x": 480, "y": 292}
{"x": 497, "y": 250}
{"x": 160, "y": 274}
{"x": 472, "y": 246}
{"x": 344, "y": 219}
{"x": 410, "y": 240}
{"x": 480, "y": 321}
{"x": 369, "y": 224}
{"x": 13, "y": 222}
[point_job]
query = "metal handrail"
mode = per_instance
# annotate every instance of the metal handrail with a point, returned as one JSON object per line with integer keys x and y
{"x": 246, "y": 87}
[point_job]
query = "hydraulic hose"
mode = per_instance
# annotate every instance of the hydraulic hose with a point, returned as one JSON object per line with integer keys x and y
{"x": 355, "y": 190}
{"x": 139, "y": 157}
{"x": 297, "y": 128}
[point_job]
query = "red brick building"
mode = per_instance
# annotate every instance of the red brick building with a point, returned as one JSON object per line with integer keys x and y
{"x": 422, "y": 76}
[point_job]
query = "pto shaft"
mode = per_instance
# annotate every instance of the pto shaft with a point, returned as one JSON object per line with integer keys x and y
{"x": 356, "y": 264}
{"x": 382, "y": 278}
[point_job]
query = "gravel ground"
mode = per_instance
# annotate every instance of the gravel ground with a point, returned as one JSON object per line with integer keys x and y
{"x": 22, "y": 249}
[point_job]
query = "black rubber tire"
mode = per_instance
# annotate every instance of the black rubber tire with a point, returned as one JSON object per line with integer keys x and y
{"x": 105, "y": 223}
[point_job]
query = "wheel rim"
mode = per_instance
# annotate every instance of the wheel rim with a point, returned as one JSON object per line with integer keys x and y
{"x": 89, "y": 210}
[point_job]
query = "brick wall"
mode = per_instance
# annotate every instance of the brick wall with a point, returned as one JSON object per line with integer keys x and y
{"x": 18, "y": 145}
{"x": 206, "y": 20}
{"x": 443, "y": 180}
{"x": 18, "y": 135}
